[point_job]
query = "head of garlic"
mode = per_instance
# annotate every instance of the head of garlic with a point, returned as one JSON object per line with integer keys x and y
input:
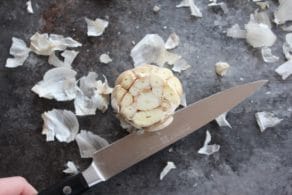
{"x": 146, "y": 97}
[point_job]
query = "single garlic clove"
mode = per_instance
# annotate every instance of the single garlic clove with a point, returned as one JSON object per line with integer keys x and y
{"x": 126, "y": 79}
{"x": 147, "y": 101}
{"x": 127, "y": 100}
{"x": 146, "y": 118}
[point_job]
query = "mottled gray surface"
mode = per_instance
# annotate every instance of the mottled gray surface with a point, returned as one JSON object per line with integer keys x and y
{"x": 249, "y": 162}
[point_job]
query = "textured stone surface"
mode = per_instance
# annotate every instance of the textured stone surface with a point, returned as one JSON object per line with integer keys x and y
{"x": 249, "y": 162}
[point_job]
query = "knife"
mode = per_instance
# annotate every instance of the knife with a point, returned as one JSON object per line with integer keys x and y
{"x": 135, "y": 147}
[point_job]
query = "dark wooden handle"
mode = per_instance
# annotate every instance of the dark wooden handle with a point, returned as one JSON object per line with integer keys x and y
{"x": 73, "y": 185}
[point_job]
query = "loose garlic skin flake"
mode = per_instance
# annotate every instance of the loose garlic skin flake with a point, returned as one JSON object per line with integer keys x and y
{"x": 146, "y": 97}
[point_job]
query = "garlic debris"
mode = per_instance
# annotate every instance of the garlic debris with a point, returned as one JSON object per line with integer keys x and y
{"x": 259, "y": 34}
{"x": 92, "y": 94}
{"x": 156, "y": 8}
{"x": 283, "y": 13}
{"x": 221, "y": 68}
{"x": 88, "y": 143}
{"x": 285, "y": 70}
{"x": 68, "y": 55}
{"x": 287, "y": 46}
{"x": 61, "y": 124}
{"x": 266, "y": 120}
{"x": 105, "y": 58}
{"x": 180, "y": 65}
{"x": 29, "y": 7}
{"x": 268, "y": 56}
{"x": 169, "y": 166}
{"x": 45, "y": 44}
{"x": 236, "y": 32}
{"x": 151, "y": 49}
{"x": 96, "y": 27}
{"x": 222, "y": 121}
{"x": 195, "y": 11}
{"x": 71, "y": 168}
{"x": 208, "y": 149}
{"x": 58, "y": 83}
{"x": 20, "y": 52}
{"x": 172, "y": 41}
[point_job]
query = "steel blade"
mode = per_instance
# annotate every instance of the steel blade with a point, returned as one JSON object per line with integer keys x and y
{"x": 135, "y": 147}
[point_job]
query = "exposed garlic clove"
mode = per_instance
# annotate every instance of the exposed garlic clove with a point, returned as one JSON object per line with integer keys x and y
{"x": 149, "y": 97}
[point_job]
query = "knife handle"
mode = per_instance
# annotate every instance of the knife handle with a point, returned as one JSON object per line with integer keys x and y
{"x": 73, "y": 185}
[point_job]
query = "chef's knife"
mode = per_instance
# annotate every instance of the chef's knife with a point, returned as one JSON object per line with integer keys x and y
{"x": 135, "y": 147}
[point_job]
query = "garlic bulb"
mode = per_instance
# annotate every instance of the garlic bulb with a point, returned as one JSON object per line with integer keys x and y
{"x": 146, "y": 97}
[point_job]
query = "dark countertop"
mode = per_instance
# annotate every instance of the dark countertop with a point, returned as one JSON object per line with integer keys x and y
{"x": 249, "y": 162}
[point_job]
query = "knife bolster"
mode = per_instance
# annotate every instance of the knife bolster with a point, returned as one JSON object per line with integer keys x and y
{"x": 93, "y": 175}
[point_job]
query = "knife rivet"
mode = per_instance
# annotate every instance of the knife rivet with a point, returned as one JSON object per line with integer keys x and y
{"x": 67, "y": 190}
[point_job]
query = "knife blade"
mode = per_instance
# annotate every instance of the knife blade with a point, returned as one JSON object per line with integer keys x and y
{"x": 135, "y": 147}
